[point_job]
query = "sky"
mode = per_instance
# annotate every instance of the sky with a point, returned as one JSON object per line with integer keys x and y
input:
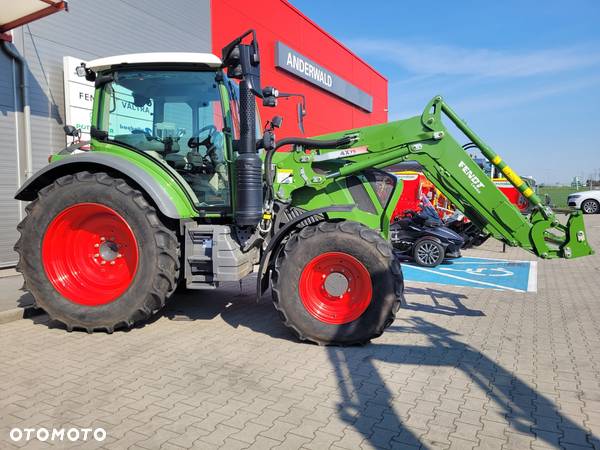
{"x": 525, "y": 75}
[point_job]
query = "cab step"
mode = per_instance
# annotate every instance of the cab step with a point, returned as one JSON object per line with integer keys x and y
{"x": 213, "y": 255}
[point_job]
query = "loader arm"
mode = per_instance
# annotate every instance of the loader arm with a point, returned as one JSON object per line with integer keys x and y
{"x": 449, "y": 167}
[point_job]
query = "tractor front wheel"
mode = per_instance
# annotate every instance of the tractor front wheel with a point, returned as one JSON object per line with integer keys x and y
{"x": 95, "y": 254}
{"x": 337, "y": 283}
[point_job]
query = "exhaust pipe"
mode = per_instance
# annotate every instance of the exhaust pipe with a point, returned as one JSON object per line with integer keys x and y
{"x": 248, "y": 165}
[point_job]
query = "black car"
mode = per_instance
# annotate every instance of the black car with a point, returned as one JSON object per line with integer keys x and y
{"x": 424, "y": 237}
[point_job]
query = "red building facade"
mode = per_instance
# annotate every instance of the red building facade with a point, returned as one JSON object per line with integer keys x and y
{"x": 342, "y": 91}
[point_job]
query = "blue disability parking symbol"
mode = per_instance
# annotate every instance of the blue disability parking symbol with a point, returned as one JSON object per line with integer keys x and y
{"x": 486, "y": 273}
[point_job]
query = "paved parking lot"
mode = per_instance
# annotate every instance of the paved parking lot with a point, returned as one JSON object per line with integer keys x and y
{"x": 460, "y": 368}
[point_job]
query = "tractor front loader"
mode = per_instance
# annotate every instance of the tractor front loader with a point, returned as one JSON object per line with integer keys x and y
{"x": 179, "y": 189}
{"x": 447, "y": 165}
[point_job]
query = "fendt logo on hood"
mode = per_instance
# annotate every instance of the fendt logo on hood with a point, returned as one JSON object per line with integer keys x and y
{"x": 475, "y": 181}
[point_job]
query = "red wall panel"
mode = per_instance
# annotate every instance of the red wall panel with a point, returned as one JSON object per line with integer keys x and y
{"x": 277, "y": 20}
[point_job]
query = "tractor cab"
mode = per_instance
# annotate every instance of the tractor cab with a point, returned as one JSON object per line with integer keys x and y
{"x": 179, "y": 108}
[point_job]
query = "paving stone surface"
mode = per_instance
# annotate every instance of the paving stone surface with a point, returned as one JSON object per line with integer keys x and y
{"x": 460, "y": 368}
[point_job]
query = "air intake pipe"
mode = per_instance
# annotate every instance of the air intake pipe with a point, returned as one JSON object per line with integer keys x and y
{"x": 248, "y": 165}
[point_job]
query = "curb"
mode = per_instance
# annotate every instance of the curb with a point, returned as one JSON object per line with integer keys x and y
{"x": 15, "y": 314}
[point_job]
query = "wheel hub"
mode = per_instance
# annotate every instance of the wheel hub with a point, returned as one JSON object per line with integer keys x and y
{"x": 428, "y": 253}
{"x": 90, "y": 254}
{"x": 335, "y": 288}
{"x": 590, "y": 207}
{"x": 336, "y": 284}
{"x": 109, "y": 251}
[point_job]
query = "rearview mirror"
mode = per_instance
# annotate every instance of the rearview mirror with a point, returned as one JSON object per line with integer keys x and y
{"x": 276, "y": 121}
{"x": 301, "y": 114}
{"x": 140, "y": 100}
{"x": 70, "y": 130}
{"x": 80, "y": 70}
{"x": 301, "y": 108}
{"x": 242, "y": 61}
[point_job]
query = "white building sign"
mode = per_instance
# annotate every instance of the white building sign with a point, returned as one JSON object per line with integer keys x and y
{"x": 79, "y": 101}
{"x": 79, "y": 97}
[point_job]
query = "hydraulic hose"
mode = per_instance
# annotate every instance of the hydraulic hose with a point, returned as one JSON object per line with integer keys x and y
{"x": 314, "y": 143}
{"x": 304, "y": 142}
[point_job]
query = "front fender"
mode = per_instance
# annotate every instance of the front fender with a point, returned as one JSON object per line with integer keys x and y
{"x": 168, "y": 196}
{"x": 271, "y": 249}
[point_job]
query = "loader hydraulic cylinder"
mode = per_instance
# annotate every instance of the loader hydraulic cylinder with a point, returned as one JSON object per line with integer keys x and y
{"x": 494, "y": 158}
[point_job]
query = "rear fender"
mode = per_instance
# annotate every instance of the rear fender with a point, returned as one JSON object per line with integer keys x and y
{"x": 170, "y": 198}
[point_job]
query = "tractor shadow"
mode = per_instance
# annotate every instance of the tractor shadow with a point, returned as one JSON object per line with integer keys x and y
{"x": 234, "y": 303}
{"x": 442, "y": 302}
{"x": 369, "y": 403}
{"x": 370, "y": 406}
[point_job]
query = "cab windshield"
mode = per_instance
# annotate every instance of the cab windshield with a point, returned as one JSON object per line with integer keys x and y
{"x": 176, "y": 116}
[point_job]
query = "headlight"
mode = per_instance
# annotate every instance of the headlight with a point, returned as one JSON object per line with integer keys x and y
{"x": 574, "y": 195}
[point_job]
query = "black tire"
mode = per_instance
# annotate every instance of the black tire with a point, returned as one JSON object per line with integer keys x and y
{"x": 361, "y": 243}
{"x": 158, "y": 247}
{"x": 590, "y": 206}
{"x": 428, "y": 252}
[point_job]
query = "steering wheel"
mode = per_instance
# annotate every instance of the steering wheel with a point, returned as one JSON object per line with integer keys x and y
{"x": 151, "y": 137}
{"x": 209, "y": 142}
{"x": 195, "y": 142}
{"x": 146, "y": 133}
{"x": 210, "y": 128}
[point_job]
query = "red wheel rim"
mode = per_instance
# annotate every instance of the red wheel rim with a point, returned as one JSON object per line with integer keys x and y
{"x": 90, "y": 254}
{"x": 335, "y": 288}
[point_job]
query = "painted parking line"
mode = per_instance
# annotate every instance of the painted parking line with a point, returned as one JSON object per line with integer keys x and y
{"x": 485, "y": 273}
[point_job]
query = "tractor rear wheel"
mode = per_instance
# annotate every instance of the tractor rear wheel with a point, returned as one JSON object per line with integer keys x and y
{"x": 95, "y": 254}
{"x": 337, "y": 283}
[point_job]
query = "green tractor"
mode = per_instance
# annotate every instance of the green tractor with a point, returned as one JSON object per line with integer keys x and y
{"x": 180, "y": 188}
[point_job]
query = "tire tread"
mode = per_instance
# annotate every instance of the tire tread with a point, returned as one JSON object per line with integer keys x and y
{"x": 349, "y": 227}
{"x": 165, "y": 238}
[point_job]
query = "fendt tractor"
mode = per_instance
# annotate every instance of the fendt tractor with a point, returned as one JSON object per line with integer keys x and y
{"x": 181, "y": 189}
